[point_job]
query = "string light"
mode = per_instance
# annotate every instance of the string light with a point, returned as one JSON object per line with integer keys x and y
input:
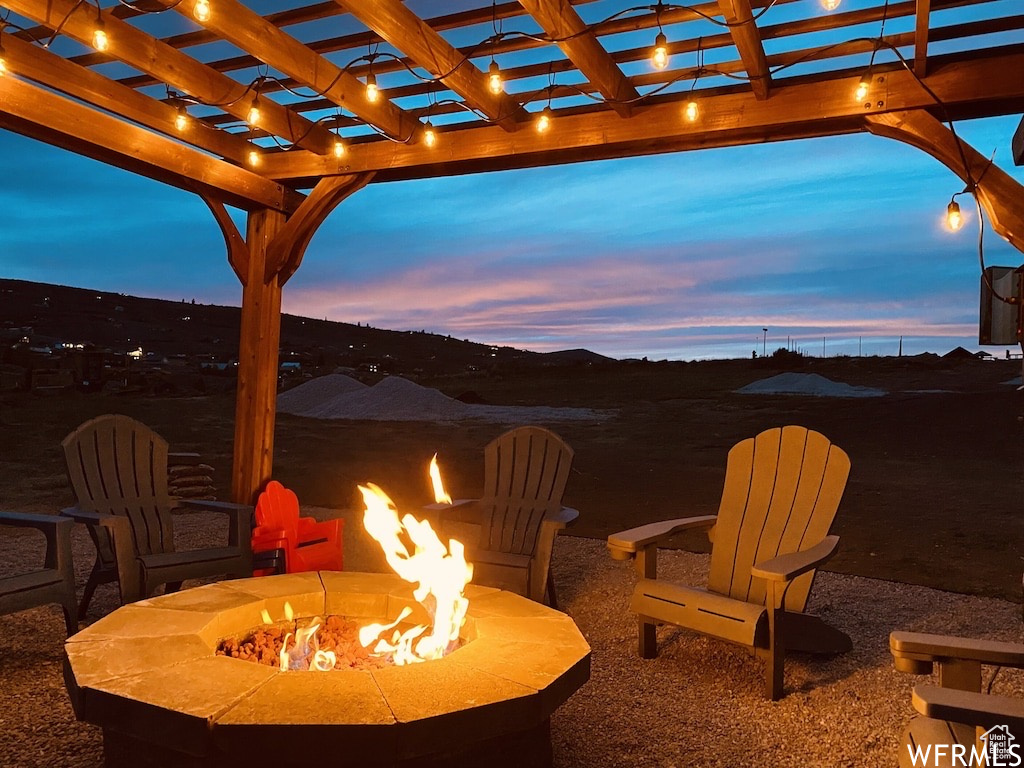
{"x": 830, "y": 5}
{"x": 181, "y": 119}
{"x": 659, "y": 56}
{"x": 254, "y": 158}
{"x": 494, "y": 81}
{"x": 691, "y": 111}
{"x": 339, "y": 147}
{"x": 429, "y": 134}
{"x": 100, "y": 41}
{"x": 372, "y": 91}
{"x": 863, "y": 86}
{"x": 3, "y": 60}
{"x": 544, "y": 120}
{"x": 954, "y": 219}
{"x": 201, "y": 10}
{"x": 253, "y": 118}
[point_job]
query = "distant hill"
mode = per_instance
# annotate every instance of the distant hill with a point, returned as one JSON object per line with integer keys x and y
{"x": 570, "y": 356}
{"x": 48, "y": 315}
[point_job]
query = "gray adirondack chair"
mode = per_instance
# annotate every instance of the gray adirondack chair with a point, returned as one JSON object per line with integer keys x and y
{"x": 782, "y": 490}
{"x": 955, "y": 711}
{"x": 117, "y": 467}
{"x": 520, "y": 512}
{"x": 55, "y": 581}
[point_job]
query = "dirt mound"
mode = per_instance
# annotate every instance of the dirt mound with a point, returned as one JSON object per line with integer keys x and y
{"x": 398, "y": 399}
{"x": 314, "y": 392}
{"x": 806, "y": 384}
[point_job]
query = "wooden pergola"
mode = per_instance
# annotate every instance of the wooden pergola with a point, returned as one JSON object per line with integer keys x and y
{"x": 285, "y": 114}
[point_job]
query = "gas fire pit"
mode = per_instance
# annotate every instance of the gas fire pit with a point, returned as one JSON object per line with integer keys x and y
{"x": 148, "y": 674}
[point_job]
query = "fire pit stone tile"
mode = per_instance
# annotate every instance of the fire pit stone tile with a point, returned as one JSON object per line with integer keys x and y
{"x": 358, "y": 594}
{"x": 89, "y": 664}
{"x": 554, "y": 671}
{"x": 497, "y": 603}
{"x": 439, "y": 702}
{"x": 174, "y": 704}
{"x": 318, "y": 711}
{"x": 138, "y": 620}
{"x": 553, "y": 632}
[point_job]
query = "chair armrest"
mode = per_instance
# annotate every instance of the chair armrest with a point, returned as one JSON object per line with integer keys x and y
{"x": 625, "y": 544}
{"x": 115, "y": 523}
{"x": 460, "y": 510}
{"x": 922, "y": 647}
{"x": 40, "y": 522}
{"x": 978, "y": 709}
{"x": 240, "y": 518}
{"x": 563, "y": 518}
{"x": 787, "y": 567}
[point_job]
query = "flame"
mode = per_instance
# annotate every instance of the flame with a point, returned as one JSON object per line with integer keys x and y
{"x": 440, "y": 496}
{"x": 305, "y": 652}
{"x": 439, "y": 574}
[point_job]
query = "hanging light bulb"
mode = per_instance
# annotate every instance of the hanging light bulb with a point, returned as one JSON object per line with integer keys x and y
{"x": 201, "y": 10}
{"x": 372, "y": 91}
{"x": 954, "y": 220}
{"x": 830, "y": 5}
{"x": 181, "y": 119}
{"x": 339, "y": 147}
{"x": 253, "y": 118}
{"x": 3, "y": 61}
{"x": 544, "y": 120}
{"x": 863, "y": 85}
{"x": 100, "y": 41}
{"x": 659, "y": 55}
{"x": 254, "y": 158}
{"x": 429, "y": 134}
{"x": 494, "y": 81}
{"x": 691, "y": 111}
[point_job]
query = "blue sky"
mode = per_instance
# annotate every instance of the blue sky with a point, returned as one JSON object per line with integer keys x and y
{"x": 680, "y": 256}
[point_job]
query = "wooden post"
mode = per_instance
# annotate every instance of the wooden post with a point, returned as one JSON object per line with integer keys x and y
{"x": 1000, "y": 194}
{"x": 256, "y": 401}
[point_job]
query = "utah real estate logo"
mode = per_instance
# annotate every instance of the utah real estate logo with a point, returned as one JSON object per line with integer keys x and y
{"x": 997, "y": 750}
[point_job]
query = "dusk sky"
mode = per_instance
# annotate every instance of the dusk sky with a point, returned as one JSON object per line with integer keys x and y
{"x": 678, "y": 256}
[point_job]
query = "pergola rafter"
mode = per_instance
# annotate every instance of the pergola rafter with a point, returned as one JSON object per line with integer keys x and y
{"x": 307, "y": 64}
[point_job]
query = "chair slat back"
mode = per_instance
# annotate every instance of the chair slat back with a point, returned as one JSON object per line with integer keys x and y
{"x": 525, "y": 472}
{"x": 118, "y": 465}
{"x": 782, "y": 490}
{"x": 278, "y": 507}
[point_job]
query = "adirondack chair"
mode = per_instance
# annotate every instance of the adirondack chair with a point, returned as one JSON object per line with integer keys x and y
{"x": 955, "y": 711}
{"x": 520, "y": 513}
{"x": 782, "y": 489}
{"x": 117, "y": 467}
{"x": 55, "y": 581}
{"x": 303, "y": 543}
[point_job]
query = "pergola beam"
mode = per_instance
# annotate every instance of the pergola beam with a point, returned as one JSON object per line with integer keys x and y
{"x": 740, "y": 18}
{"x": 147, "y": 54}
{"x": 582, "y": 48}
{"x": 246, "y": 29}
{"x": 403, "y": 29}
{"x": 921, "y": 24}
{"x": 53, "y": 119}
{"x": 49, "y": 69}
{"x": 812, "y": 107}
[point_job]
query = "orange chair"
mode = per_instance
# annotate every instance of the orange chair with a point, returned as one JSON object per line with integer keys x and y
{"x": 302, "y": 542}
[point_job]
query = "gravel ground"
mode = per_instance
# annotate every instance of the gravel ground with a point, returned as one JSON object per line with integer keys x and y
{"x": 698, "y": 704}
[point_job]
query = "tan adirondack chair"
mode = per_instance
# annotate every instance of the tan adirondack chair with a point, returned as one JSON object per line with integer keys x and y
{"x": 117, "y": 467}
{"x": 520, "y": 512}
{"x": 782, "y": 489}
{"x": 955, "y": 711}
{"x": 55, "y": 581}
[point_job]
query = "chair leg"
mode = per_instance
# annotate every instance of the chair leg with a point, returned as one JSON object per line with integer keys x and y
{"x": 647, "y": 638}
{"x": 775, "y": 658}
{"x": 90, "y": 587}
{"x": 70, "y": 618}
{"x": 552, "y": 597}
